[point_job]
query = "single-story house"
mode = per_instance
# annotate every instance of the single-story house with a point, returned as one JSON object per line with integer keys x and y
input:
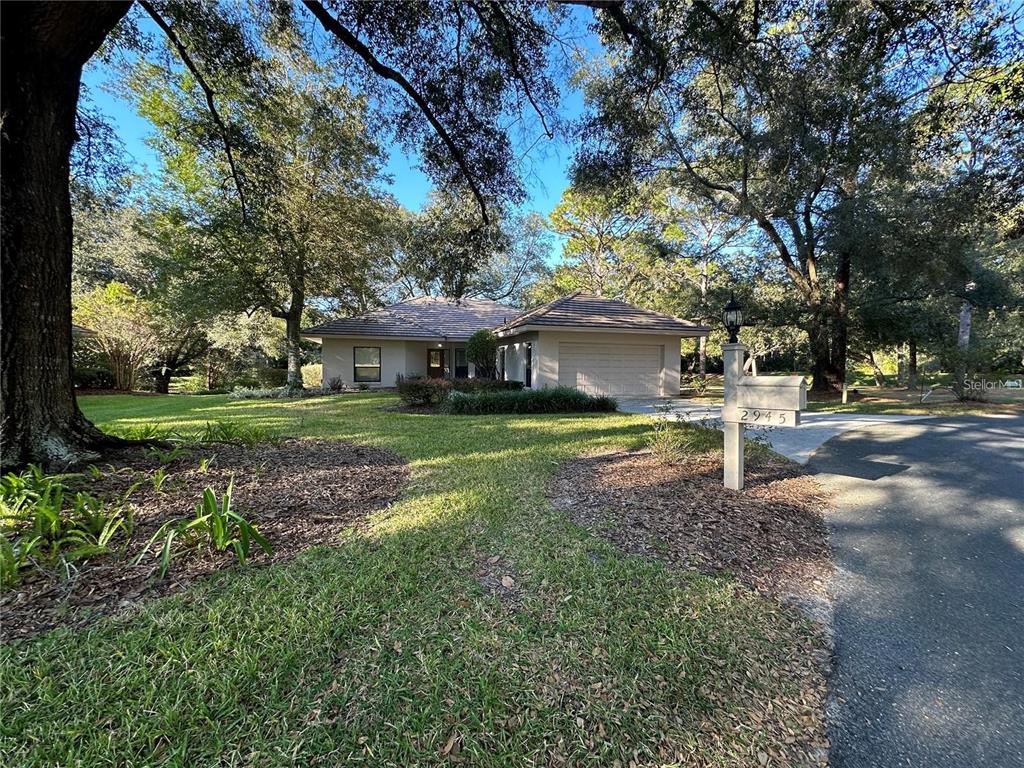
{"x": 592, "y": 343}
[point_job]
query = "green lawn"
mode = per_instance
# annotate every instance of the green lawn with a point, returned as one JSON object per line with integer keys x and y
{"x": 383, "y": 648}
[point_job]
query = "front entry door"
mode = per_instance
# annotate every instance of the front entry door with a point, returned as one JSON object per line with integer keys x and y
{"x": 437, "y": 363}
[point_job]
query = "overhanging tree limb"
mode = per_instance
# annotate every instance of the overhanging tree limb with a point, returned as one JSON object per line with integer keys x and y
{"x": 190, "y": 64}
{"x": 353, "y": 43}
{"x": 513, "y": 56}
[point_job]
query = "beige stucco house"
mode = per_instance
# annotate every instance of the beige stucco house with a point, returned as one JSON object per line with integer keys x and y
{"x": 595, "y": 344}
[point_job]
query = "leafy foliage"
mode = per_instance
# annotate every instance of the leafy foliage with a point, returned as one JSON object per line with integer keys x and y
{"x": 215, "y": 525}
{"x": 423, "y": 392}
{"x": 433, "y": 392}
{"x": 482, "y": 352}
{"x": 804, "y": 121}
{"x": 549, "y": 400}
{"x": 123, "y": 330}
{"x": 42, "y": 523}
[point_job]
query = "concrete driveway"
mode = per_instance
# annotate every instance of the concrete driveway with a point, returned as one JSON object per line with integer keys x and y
{"x": 796, "y": 443}
{"x": 928, "y": 536}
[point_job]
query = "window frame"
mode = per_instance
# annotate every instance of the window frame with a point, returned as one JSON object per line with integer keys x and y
{"x": 356, "y": 367}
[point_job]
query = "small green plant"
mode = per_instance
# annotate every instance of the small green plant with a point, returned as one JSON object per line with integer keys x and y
{"x": 41, "y": 522}
{"x": 169, "y": 455}
{"x": 94, "y": 472}
{"x": 206, "y": 462}
{"x": 144, "y": 432}
{"x": 158, "y": 479}
{"x": 237, "y": 432}
{"x": 669, "y": 443}
{"x": 213, "y": 525}
{"x": 15, "y": 554}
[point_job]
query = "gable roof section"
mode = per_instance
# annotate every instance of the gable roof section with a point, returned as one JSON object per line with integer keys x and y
{"x": 424, "y": 317}
{"x": 585, "y": 310}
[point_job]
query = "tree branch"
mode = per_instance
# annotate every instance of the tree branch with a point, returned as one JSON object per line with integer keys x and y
{"x": 513, "y": 57}
{"x": 207, "y": 91}
{"x": 354, "y": 44}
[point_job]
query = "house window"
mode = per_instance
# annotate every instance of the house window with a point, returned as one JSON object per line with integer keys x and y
{"x": 367, "y": 363}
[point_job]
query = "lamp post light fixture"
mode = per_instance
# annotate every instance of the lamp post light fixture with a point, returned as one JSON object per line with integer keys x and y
{"x": 732, "y": 317}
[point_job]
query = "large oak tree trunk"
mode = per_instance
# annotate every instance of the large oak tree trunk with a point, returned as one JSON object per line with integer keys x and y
{"x": 44, "y": 48}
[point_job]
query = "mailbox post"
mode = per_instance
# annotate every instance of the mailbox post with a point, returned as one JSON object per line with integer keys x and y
{"x": 734, "y": 430}
{"x": 770, "y": 401}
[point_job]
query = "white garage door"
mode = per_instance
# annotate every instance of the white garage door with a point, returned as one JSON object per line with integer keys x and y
{"x": 610, "y": 369}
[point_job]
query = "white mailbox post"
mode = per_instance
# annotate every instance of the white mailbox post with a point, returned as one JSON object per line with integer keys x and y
{"x": 767, "y": 401}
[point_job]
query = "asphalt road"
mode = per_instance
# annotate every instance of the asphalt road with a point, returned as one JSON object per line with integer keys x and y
{"x": 929, "y": 621}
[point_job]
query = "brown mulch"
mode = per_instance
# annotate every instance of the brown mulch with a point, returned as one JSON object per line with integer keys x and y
{"x": 299, "y": 493}
{"x": 771, "y": 536}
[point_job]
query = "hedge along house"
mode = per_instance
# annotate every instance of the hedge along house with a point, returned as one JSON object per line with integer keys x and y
{"x": 590, "y": 343}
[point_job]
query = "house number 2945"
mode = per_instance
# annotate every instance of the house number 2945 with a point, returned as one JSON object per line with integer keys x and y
{"x": 757, "y": 416}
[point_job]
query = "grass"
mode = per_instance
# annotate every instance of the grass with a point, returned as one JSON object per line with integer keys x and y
{"x": 385, "y": 650}
{"x": 886, "y": 400}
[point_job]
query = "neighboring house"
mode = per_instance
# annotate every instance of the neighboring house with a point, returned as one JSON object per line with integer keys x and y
{"x": 598, "y": 345}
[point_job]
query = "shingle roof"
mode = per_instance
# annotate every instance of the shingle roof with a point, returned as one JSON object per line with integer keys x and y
{"x": 423, "y": 317}
{"x": 589, "y": 311}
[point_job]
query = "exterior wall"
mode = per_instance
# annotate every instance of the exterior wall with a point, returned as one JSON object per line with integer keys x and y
{"x": 408, "y": 358}
{"x": 339, "y": 360}
{"x": 545, "y": 353}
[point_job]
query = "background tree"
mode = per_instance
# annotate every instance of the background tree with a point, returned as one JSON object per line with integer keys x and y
{"x": 313, "y": 225}
{"x": 776, "y": 113}
{"x": 123, "y": 331}
{"x": 447, "y": 250}
{"x": 448, "y": 100}
{"x": 609, "y": 244}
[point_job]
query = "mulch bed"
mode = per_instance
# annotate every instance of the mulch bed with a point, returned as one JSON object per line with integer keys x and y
{"x": 299, "y": 493}
{"x": 771, "y": 536}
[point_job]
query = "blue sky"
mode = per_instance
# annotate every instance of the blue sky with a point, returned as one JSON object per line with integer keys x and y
{"x": 547, "y": 164}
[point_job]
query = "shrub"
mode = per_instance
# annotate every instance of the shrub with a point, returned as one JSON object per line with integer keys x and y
{"x": 313, "y": 376}
{"x": 671, "y": 443}
{"x": 553, "y": 400}
{"x": 214, "y": 524}
{"x": 93, "y": 378}
{"x": 482, "y": 352}
{"x": 284, "y": 393}
{"x": 485, "y": 385}
{"x": 269, "y": 394}
{"x": 423, "y": 392}
{"x": 335, "y": 384}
